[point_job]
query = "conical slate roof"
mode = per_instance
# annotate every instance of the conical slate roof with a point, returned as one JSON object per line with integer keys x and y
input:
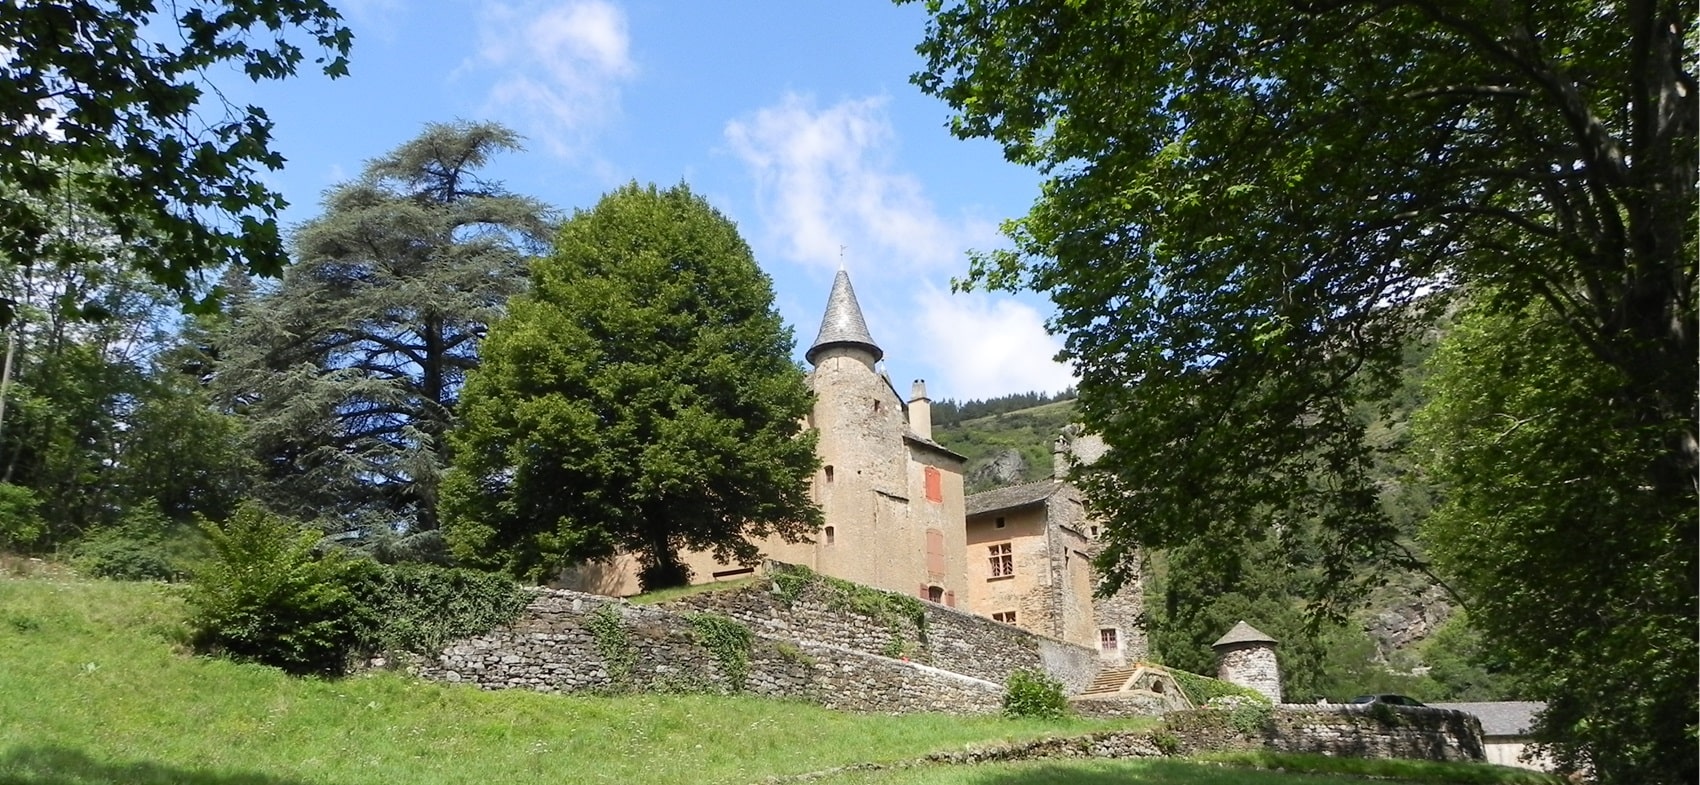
{"x": 1243, "y": 633}
{"x": 843, "y": 324}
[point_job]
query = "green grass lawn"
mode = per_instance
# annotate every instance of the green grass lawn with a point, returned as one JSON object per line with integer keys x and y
{"x": 95, "y": 688}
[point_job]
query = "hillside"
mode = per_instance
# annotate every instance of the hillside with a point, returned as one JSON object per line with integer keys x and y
{"x": 96, "y": 688}
{"x": 1019, "y": 442}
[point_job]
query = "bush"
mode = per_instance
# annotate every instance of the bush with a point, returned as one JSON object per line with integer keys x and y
{"x": 419, "y": 608}
{"x": 144, "y": 546}
{"x": 1033, "y": 694}
{"x": 20, "y": 516}
{"x": 1203, "y": 689}
{"x": 265, "y": 596}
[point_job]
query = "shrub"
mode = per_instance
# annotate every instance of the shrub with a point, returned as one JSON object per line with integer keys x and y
{"x": 265, "y": 596}
{"x": 1203, "y": 689}
{"x": 420, "y": 608}
{"x": 269, "y": 596}
{"x": 1033, "y": 694}
{"x": 144, "y": 546}
{"x": 20, "y": 516}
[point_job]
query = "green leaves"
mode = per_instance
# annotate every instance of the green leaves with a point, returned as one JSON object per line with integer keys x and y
{"x": 94, "y": 106}
{"x": 640, "y": 398}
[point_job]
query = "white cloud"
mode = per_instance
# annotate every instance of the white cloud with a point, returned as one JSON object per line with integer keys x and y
{"x": 558, "y": 67}
{"x": 825, "y": 179}
{"x": 986, "y": 345}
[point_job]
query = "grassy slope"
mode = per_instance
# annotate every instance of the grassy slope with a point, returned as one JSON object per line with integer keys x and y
{"x": 93, "y": 689}
{"x": 1029, "y": 431}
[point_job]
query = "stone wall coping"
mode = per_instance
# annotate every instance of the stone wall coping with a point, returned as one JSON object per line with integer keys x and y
{"x": 1366, "y": 708}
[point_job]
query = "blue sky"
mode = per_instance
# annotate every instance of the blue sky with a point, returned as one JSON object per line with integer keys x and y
{"x": 796, "y": 119}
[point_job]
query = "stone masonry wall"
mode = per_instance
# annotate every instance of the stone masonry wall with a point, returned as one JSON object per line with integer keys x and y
{"x": 948, "y": 639}
{"x": 554, "y": 647}
{"x": 1342, "y": 730}
{"x": 1251, "y": 665}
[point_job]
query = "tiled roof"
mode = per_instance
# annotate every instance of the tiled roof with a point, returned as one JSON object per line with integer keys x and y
{"x": 1011, "y": 496}
{"x": 1243, "y": 633}
{"x": 1500, "y": 718}
{"x": 935, "y": 446}
{"x": 843, "y": 324}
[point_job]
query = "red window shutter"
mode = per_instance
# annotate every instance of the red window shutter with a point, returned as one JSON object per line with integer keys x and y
{"x": 935, "y": 485}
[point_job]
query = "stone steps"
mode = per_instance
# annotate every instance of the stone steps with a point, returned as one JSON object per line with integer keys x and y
{"x": 1110, "y": 681}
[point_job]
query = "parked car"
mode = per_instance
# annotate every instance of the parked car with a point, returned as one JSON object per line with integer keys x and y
{"x": 1390, "y": 699}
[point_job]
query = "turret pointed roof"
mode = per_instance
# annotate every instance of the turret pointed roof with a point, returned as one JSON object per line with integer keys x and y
{"x": 843, "y": 324}
{"x": 1243, "y": 633}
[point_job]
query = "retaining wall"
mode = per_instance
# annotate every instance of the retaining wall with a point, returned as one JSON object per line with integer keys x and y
{"x": 953, "y": 640}
{"x": 555, "y": 647}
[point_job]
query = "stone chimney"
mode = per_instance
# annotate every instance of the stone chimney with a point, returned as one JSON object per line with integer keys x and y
{"x": 1060, "y": 459}
{"x": 1246, "y": 657}
{"x": 920, "y": 410}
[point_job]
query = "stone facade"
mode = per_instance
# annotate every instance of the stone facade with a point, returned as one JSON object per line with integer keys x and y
{"x": 1031, "y": 548}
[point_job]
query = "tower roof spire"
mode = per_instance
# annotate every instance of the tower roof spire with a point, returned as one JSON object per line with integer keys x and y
{"x": 843, "y": 324}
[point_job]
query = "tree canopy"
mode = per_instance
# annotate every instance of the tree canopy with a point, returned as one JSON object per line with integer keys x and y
{"x": 106, "y": 101}
{"x": 1250, "y": 206}
{"x": 641, "y": 398}
{"x": 348, "y": 373}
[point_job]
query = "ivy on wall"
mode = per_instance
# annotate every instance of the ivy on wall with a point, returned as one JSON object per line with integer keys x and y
{"x": 899, "y": 613}
{"x": 729, "y": 641}
{"x": 614, "y": 644}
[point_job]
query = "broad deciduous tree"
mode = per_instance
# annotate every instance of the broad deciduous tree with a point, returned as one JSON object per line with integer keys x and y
{"x": 641, "y": 398}
{"x": 349, "y": 372}
{"x": 1251, "y": 204}
{"x": 102, "y": 106}
{"x": 1581, "y": 574}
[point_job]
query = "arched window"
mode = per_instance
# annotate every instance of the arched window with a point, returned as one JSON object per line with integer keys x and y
{"x": 935, "y": 593}
{"x": 831, "y": 535}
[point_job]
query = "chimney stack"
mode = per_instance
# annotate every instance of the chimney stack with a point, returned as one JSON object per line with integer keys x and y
{"x": 920, "y": 410}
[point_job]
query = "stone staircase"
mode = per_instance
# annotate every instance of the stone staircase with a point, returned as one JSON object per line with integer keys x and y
{"x": 1111, "y": 681}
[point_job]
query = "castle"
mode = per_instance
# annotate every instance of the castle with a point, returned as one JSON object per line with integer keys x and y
{"x": 896, "y": 517}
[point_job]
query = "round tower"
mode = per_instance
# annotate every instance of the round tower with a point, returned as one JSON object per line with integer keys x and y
{"x": 859, "y": 420}
{"x": 1246, "y": 657}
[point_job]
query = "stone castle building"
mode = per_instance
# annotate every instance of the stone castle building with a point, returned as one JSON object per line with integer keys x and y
{"x": 896, "y": 518}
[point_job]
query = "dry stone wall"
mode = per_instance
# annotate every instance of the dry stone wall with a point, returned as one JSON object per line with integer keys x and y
{"x": 573, "y": 642}
{"x": 820, "y": 610}
{"x": 1341, "y": 730}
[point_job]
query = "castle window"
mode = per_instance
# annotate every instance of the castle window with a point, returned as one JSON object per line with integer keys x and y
{"x": 935, "y": 485}
{"x": 829, "y": 472}
{"x": 1094, "y": 531}
{"x": 1108, "y": 640}
{"x": 1003, "y": 561}
{"x": 876, "y": 405}
{"x": 1007, "y": 617}
{"x": 999, "y": 523}
{"x": 830, "y": 535}
{"x": 935, "y": 593}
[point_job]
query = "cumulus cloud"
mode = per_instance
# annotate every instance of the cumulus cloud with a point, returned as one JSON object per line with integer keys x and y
{"x": 825, "y": 179}
{"x": 987, "y": 345}
{"x": 558, "y": 67}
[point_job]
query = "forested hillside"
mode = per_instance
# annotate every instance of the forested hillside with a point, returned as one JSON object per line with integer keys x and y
{"x": 1405, "y": 637}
